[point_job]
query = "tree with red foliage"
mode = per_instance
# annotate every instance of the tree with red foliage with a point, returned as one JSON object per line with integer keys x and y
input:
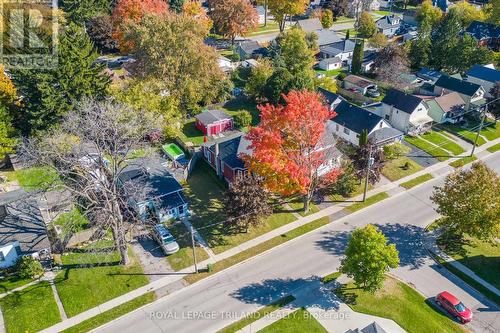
{"x": 290, "y": 146}
{"x": 132, "y": 11}
{"x": 234, "y": 17}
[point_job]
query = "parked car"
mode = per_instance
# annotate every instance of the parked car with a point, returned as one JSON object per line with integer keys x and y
{"x": 454, "y": 307}
{"x": 372, "y": 92}
{"x": 163, "y": 236}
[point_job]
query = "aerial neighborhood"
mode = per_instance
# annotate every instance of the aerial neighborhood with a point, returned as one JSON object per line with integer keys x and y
{"x": 250, "y": 166}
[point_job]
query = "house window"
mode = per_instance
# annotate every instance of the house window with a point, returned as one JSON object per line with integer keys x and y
{"x": 381, "y": 124}
{"x": 387, "y": 117}
{"x": 337, "y": 127}
{"x": 18, "y": 250}
{"x": 181, "y": 210}
{"x": 346, "y": 131}
{"x": 2, "y": 257}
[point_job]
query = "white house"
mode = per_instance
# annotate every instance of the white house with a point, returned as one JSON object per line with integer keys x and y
{"x": 472, "y": 93}
{"x": 225, "y": 64}
{"x": 389, "y": 25}
{"x": 342, "y": 50}
{"x": 405, "y": 112}
{"x": 486, "y": 77}
{"x": 352, "y": 120}
{"x": 22, "y": 228}
{"x": 329, "y": 64}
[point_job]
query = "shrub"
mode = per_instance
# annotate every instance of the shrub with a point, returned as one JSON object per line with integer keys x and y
{"x": 29, "y": 267}
{"x": 395, "y": 150}
{"x": 242, "y": 119}
{"x": 347, "y": 182}
{"x": 341, "y": 76}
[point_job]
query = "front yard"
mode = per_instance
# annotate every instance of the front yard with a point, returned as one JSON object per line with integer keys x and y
{"x": 204, "y": 192}
{"x": 401, "y": 303}
{"x": 30, "y": 310}
{"x": 428, "y": 147}
{"x": 400, "y": 167}
{"x": 93, "y": 276}
{"x": 184, "y": 257}
{"x": 12, "y": 282}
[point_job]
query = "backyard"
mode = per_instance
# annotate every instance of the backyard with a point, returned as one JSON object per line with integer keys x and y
{"x": 399, "y": 302}
{"x": 36, "y": 178}
{"x": 204, "y": 192}
{"x": 93, "y": 276}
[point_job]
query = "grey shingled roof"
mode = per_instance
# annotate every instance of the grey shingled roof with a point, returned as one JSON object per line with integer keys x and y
{"x": 338, "y": 47}
{"x": 484, "y": 73}
{"x": 385, "y": 134}
{"x": 211, "y": 116}
{"x": 387, "y": 22}
{"x": 23, "y": 222}
{"x": 401, "y": 100}
{"x": 482, "y": 30}
{"x": 355, "y": 118}
{"x": 231, "y": 148}
{"x": 460, "y": 86}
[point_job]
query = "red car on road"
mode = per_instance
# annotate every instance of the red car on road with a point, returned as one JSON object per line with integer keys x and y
{"x": 454, "y": 307}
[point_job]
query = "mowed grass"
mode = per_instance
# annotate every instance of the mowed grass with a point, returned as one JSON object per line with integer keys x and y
{"x": 443, "y": 142}
{"x": 491, "y": 131}
{"x": 184, "y": 257}
{"x": 463, "y": 161}
{"x": 264, "y": 246}
{"x": 30, "y": 310}
{"x": 482, "y": 257}
{"x": 81, "y": 287}
{"x": 107, "y": 316}
{"x": 37, "y": 178}
{"x": 298, "y": 206}
{"x": 464, "y": 133}
{"x": 401, "y": 303}
{"x": 257, "y": 315}
{"x": 189, "y": 133}
{"x": 12, "y": 282}
{"x": 494, "y": 148}
{"x": 428, "y": 147}
{"x": 298, "y": 321}
{"x": 399, "y": 168}
{"x": 369, "y": 201}
{"x": 417, "y": 181}
{"x": 205, "y": 192}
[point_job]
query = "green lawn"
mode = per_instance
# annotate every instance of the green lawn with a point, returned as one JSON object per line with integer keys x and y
{"x": 107, "y": 316}
{"x": 443, "y": 142}
{"x": 331, "y": 277}
{"x": 463, "y": 133}
{"x": 298, "y": 321}
{"x": 482, "y": 257}
{"x": 81, "y": 288}
{"x": 236, "y": 105}
{"x": 359, "y": 190}
{"x": 204, "y": 192}
{"x": 417, "y": 181}
{"x": 330, "y": 73}
{"x": 189, "y": 132}
{"x": 298, "y": 206}
{"x": 400, "y": 167}
{"x": 264, "y": 246}
{"x": 382, "y": 12}
{"x": 30, "y": 310}
{"x": 37, "y": 178}
{"x": 401, "y": 303}
{"x": 12, "y": 282}
{"x": 491, "y": 132}
{"x": 463, "y": 161}
{"x": 184, "y": 257}
{"x": 494, "y": 148}
{"x": 71, "y": 222}
{"x": 271, "y": 26}
{"x": 369, "y": 201}
{"x": 429, "y": 148}
{"x": 257, "y": 315}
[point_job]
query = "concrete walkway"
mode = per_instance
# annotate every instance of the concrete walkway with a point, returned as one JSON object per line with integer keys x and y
{"x": 333, "y": 314}
{"x": 58, "y": 300}
{"x": 199, "y": 239}
{"x": 438, "y": 168}
{"x": 432, "y": 246}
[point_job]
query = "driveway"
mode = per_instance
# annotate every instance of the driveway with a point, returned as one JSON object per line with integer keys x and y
{"x": 420, "y": 157}
{"x": 215, "y": 302}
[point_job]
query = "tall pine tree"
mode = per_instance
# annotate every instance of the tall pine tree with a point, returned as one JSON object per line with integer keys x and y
{"x": 357, "y": 57}
{"x": 420, "y": 48}
{"x": 445, "y": 41}
{"x": 49, "y": 94}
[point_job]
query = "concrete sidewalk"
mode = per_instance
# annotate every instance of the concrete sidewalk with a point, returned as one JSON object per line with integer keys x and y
{"x": 393, "y": 189}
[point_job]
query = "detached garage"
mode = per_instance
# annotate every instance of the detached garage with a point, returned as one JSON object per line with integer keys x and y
{"x": 213, "y": 122}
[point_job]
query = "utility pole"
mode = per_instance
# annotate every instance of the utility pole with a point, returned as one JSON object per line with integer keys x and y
{"x": 369, "y": 164}
{"x": 483, "y": 115}
{"x": 194, "y": 250}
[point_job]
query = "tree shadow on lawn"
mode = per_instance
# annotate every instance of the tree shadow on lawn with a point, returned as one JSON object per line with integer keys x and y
{"x": 270, "y": 290}
{"x": 406, "y": 237}
{"x": 15, "y": 298}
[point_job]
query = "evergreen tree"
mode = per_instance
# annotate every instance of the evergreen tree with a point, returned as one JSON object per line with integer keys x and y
{"x": 363, "y": 138}
{"x": 467, "y": 54}
{"x": 176, "y": 5}
{"x": 445, "y": 41}
{"x": 420, "y": 48}
{"x": 80, "y": 11}
{"x": 50, "y": 94}
{"x": 357, "y": 57}
{"x": 348, "y": 34}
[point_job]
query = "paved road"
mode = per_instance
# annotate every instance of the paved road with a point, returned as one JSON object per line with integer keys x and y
{"x": 214, "y": 302}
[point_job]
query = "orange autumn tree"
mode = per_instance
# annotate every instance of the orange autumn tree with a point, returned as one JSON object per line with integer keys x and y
{"x": 195, "y": 10}
{"x": 132, "y": 11}
{"x": 234, "y": 17}
{"x": 290, "y": 147}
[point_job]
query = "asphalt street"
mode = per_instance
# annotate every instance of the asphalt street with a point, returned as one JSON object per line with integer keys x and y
{"x": 215, "y": 302}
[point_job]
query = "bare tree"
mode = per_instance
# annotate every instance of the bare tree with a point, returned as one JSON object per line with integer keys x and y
{"x": 391, "y": 64}
{"x": 89, "y": 153}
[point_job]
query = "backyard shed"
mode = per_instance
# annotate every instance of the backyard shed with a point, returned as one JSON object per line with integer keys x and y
{"x": 213, "y": 122}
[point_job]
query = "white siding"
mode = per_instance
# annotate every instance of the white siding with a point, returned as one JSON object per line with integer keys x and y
{"x": 485, "y": 84}
{"x": 10, "y": 255}
{"x": 398, "y": 119}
